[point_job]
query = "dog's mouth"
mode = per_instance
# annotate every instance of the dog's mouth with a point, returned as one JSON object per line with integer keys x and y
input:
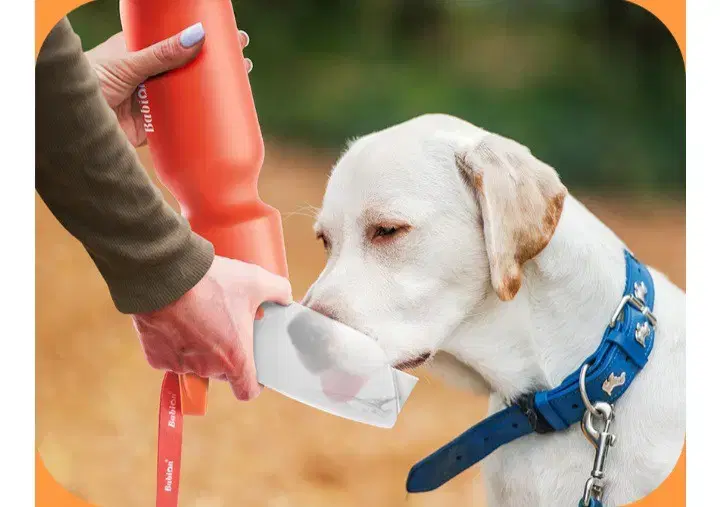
{"x": 415, "y": 362}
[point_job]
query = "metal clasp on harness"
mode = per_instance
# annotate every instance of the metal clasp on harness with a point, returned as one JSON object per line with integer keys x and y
{"x": 601, "y": 439}
{"x": 637, "y": 301}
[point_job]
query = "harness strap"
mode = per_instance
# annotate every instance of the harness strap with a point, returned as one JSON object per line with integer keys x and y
{"x": 623, "y": 351}
{"x": 170, "y": 427}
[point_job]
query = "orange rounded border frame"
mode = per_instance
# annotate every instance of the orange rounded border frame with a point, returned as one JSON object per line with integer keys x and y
{"x": 671, "y": 493}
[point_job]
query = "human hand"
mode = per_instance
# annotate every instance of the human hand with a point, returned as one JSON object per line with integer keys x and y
{"x": 209, "y": 330}
{"x": 121, "y": 71}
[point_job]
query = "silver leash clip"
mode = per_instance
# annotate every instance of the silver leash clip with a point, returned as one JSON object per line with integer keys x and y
{"x": 601, "y": 439}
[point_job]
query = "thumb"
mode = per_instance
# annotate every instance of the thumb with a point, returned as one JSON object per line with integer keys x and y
{"x": 242, "y": 375}
{"x": 168, "y": 54}
{"x": 271, "y": 287}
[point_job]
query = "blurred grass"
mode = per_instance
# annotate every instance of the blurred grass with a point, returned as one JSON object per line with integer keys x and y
{"x": 595, "y": 88}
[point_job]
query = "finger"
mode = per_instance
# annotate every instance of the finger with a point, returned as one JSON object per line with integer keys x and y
{"x": 179, "y": 364}
{"x": 163, "y": 363}
{"x": 139, "y": 124}
{"x": 180, "y": 370}
{"x": 243, "y": 377}
{"x": 271, "y": 287}
{"x": 167, "y": 54}
{"x": 156, "y": 363}
{"x": 158, "y": 353}
{"x": 243, "y": 389}
{"x": 224, "y": 378}
{"x": 206, "y": 367}
{"x": 209, "y": 365}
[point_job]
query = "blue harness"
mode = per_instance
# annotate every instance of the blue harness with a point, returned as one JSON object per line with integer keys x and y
{"x": 603, "y": 378}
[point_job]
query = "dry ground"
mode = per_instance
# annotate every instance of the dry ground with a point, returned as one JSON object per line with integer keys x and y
{"x": 97, "y": 398}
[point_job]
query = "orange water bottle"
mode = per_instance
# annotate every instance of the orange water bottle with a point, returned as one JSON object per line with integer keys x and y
{"x": 205, "y": 139}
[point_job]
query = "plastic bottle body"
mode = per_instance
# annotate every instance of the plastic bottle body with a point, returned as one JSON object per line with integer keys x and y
{"x": 203, "y": 131}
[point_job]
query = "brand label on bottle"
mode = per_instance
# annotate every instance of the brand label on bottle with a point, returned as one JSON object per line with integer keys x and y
{"x": 145, "y": 108}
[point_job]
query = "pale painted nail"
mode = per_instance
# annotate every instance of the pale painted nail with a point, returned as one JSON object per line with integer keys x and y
{"x": 248, "y": 64}
{"x": 192, "y": 35}
{"x": 244, "y": 34}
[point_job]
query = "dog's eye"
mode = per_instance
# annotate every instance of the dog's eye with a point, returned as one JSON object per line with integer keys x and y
{"x": 387, "y": 232}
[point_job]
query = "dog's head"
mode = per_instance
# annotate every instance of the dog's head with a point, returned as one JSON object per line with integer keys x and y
{"x": 422, "y": 221}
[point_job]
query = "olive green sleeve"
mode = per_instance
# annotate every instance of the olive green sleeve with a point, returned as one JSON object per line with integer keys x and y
{"x": 90, "y": 177}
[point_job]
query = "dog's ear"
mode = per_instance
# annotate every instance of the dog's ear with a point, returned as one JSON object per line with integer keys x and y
{"x": 520, "y": 198}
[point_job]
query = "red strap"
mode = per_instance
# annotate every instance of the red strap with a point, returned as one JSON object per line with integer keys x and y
{"x": 170, "y": 427}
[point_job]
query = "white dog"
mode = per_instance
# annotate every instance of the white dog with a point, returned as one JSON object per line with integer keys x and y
{"x": 451, "y": 243}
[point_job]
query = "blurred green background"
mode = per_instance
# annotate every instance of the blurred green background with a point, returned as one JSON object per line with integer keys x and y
{"x": 596, "y": 88}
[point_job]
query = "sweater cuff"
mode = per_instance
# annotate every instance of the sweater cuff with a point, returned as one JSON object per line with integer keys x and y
{"x": 155, "y": 287}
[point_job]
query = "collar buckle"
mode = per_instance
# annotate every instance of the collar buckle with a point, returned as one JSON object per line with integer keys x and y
{"x": 537, "y": 422}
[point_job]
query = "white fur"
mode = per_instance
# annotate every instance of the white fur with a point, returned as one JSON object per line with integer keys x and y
{"x": 430, "y": 289}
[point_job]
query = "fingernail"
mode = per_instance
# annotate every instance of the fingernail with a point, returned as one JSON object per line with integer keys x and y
{"x": 248, "y": 64}
{"x": 244, "y": 34}
{"x": 192, "y": 35}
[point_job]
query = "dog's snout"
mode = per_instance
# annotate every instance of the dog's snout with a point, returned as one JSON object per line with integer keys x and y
{"x": 319, "y": 302}
{"x": 324, "y": 310}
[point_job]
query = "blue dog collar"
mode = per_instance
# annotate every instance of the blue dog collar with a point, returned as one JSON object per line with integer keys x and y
{"x": 623, "y": 352}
